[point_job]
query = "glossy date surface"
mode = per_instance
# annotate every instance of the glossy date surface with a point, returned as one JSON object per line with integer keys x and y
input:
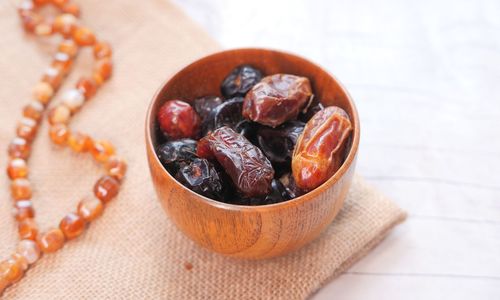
{"x": 277, "y": 99}
{"x": 319, "y": 150}
{"x": 178, "y": 120}
{"x": 246, "y": 165}
{"x": 240, "y": 81}
{"x": 174, "y": 154}
{"x": 278, "y": 143}
{"x": 225, "y": 114}
{"x": 202, "y": 177}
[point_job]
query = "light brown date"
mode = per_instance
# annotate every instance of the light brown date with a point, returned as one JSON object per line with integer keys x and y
{"x": 318, "y": 153}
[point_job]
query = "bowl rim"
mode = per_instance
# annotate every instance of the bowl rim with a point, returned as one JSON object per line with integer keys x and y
{"x": 350, "y": 159}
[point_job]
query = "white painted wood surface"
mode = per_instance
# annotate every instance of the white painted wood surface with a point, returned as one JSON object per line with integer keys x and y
{"x": 426, "y": 78}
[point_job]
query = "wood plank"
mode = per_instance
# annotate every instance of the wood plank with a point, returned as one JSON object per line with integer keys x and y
{"x": 380, "y": 286}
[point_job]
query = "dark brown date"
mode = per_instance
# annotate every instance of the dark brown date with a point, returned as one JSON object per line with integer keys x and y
{"x": 201, "y": 177}
{"x": 204, "y": 105}
{"x": 318, "y": 153}
{"x": 225, "y": 114}
{"x": 277, "y": 99}
{"x": 240, "y": 80}
{"x": 278, "y": 143}
{"x": 249, "y": 169}
{"x": 175, "y": 154}
{"x": 278, "y": 194}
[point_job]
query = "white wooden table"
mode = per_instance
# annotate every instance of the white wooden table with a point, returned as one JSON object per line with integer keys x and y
{"x": 426, "y": 79}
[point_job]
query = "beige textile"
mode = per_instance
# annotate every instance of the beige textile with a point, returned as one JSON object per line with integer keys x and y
{"x": 134, "y": 251}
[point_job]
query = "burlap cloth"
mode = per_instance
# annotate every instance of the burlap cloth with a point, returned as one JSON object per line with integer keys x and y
{"x": 134, "y": 251}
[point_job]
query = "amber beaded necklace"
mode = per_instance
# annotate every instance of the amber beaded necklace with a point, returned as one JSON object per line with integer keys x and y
{"x": 32, "y": 242}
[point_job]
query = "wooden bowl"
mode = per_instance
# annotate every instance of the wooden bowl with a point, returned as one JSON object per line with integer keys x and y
{"x": 252, "y": 232}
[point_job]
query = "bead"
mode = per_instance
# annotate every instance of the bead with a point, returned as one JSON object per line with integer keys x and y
{"x": 72, "y": 8}
{"x": 43, "y": 29}
{"x": 65, "y": 24}
{"x": 30, "y": 20}
{"x": 17, "y": 168}
{"x": 73, "y": 99}
{"x": 51, "y": 241}
{"x": 40, "y": 2}
{"x": 72, "y": 225}
{"x": 59, "y": 115}
{"x": 53, "y": 77}
{"x": 59, "y": 133}
{"x": 87, "y": 86}
{"x": 102, "y": 50}
{"x": 69, "y": 47}
{"x": 23, "y": 209}
{"x": 20, "y": 260}
{"x": 116, "y": 167}
{"x": 102, "y": 70}
{"x": 80, "y": 142}
{"x": 83, "y": 36}
{"x": 19, "y": 148}
{"x": 60, "y": 3}
{"x": 20, "y": 189}
{"x": 33, "y": 110}
{"x": 27, "y": 229}
{"x": 10, "y": 270}
{"x": 43, "y": 92}
{"x": 102, "y": 150}
{"x": 106, "y": 188}
{"x": 90, "y": 209}
{"x": 29, "y": 249}
{"x": 62, "y": 62}
{"x": 27, "y": 129}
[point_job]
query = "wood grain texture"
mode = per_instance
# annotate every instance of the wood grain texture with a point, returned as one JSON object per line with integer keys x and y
{"x": 243, "y": 231}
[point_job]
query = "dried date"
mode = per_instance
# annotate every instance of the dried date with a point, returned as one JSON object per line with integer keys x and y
{"x": 204, "y": 105}
{"x": 246, "y": 165}
{"x": 174, "y": 154}
{"x": 178, "y": 120}
{"x": 318, "y": 153}
{"x": 277, "y": 99}
{"x": 313, "y": 108}
{"x": 278, "y": 143}
{"x": 225, "y": 114}
{"x": 201, "y": 177}
{"x": 240, "y": 81}
{"x": 278, "y": 194}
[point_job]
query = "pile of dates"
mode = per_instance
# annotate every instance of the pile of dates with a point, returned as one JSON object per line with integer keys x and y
{"x": 267, "y": 140}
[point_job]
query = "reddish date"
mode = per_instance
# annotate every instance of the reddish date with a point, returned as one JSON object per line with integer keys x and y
{"x": 178, "y": 120}
{"x": 277, "y": 99}
{"x": 249, "y": 169}
{"x": 318, "y": 152}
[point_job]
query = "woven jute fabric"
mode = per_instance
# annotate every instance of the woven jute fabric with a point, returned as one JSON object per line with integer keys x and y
{"x": 134, "y": 251}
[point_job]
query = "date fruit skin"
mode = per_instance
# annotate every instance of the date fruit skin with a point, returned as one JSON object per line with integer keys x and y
{"x": 311, "y": 111}
{"x": 225, "y": 114}
{"x": 248, "y": 129}
{"x": 291, "y": 188}
{"x": 201, "y": 177}
{"x": 204, "y": 105}
{"x": 277, "y": 99}
{"x": 319, "y": 150}
{"x": 178, "y": 120}
{"x": 240, "y": 81}
{"x": 246, "y": 165}
{"x": 278, "y": 143}
{"x": 174, "y": 154}
{"x": 278, "y": 194}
